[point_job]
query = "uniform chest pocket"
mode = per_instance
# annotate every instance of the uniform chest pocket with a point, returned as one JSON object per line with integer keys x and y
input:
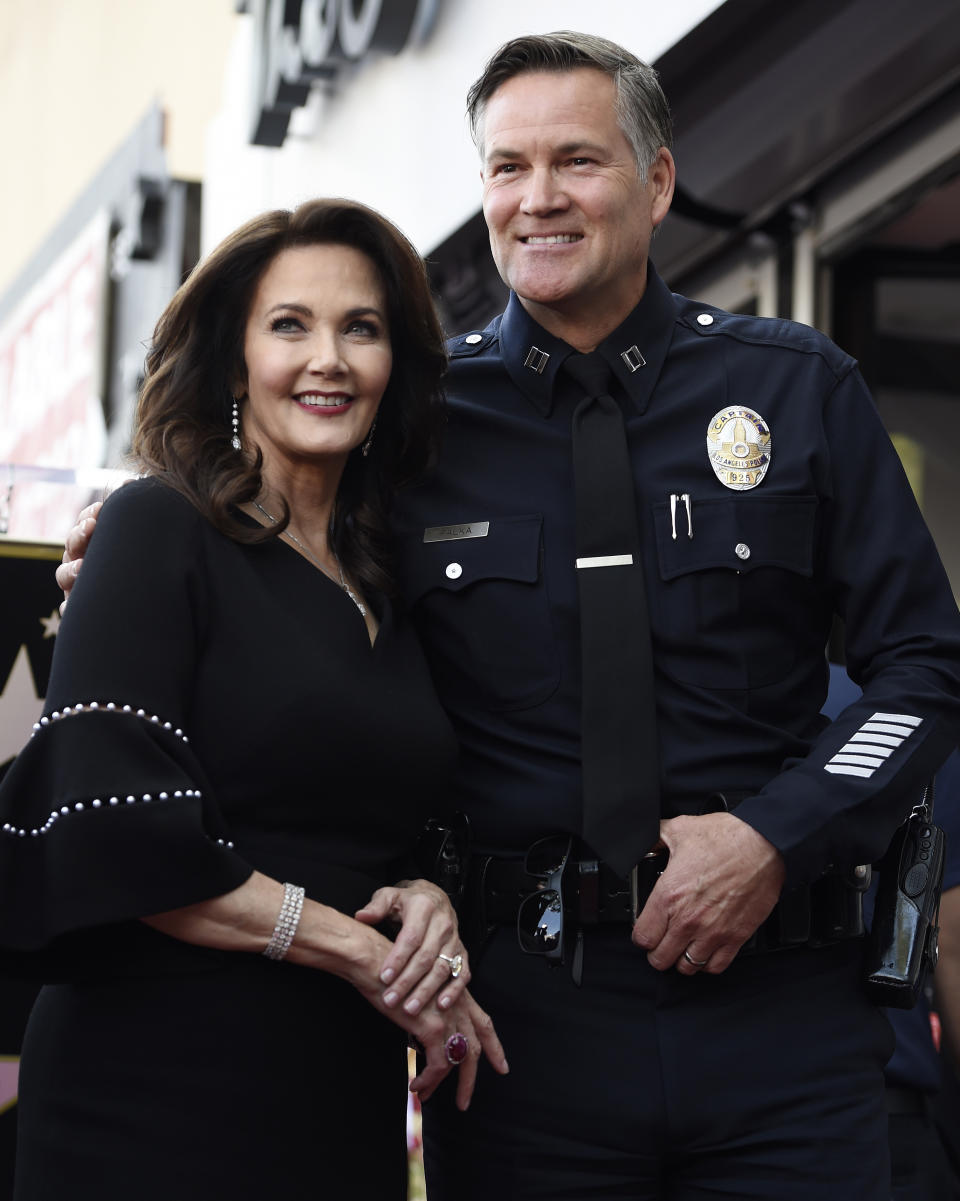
{"x": 735, "y": 604}
{"x": 481, "y": 607}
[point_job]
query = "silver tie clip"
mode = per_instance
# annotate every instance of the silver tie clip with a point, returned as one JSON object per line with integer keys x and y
{"x": 604, "y": 561}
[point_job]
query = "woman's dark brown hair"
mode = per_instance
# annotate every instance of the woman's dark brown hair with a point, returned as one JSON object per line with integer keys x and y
{"x": 183, "y": 433}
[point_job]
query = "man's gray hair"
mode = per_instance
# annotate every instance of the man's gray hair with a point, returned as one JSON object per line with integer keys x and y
{"x": 642, "y": 110}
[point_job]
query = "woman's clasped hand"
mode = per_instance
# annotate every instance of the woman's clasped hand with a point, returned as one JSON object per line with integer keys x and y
{"x": 425, "y": 974}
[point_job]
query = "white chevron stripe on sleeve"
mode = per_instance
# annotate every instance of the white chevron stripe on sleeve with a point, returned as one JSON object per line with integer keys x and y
{"x": 871, "y": 745}
{"x": 867, "y": 748}
{"x": 906, "y": 718}
{"x": 887, "y": 739}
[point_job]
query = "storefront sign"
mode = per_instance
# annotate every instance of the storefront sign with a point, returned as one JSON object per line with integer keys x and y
{"x": 302, "y": 41}
{"x": 51, "y": 383}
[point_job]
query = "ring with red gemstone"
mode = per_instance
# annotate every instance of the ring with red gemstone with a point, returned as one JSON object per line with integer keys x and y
{"x": 456, "y": 1048}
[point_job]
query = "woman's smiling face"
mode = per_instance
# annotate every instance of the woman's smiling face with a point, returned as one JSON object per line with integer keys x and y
{"x": 317, "y": 353}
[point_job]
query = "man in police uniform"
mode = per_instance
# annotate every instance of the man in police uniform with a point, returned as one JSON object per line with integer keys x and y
{"x": 660, "y": 1062}
{"x": 720, "y": 1045}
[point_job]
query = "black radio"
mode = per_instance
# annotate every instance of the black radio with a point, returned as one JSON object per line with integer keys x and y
{"x": 903, "y": 937}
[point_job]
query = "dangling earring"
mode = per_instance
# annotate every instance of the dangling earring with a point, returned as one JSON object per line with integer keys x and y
{"x": 365, "y": 448}
{"x": 235, "y": 422}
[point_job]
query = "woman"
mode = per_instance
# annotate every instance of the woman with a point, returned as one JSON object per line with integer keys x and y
{"x": 237, "y": 713}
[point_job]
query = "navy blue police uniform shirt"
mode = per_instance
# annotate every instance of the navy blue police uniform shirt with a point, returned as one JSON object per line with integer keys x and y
{"x": 769, "y": 496}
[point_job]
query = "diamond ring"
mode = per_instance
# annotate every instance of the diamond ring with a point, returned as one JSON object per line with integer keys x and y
{"x": 454, "y": 962}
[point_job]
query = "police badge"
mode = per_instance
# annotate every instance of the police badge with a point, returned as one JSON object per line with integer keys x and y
{"x": 738, "y": 446}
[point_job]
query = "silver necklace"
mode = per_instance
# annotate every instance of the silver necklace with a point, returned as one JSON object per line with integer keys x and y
{"x": 288, "y": 533}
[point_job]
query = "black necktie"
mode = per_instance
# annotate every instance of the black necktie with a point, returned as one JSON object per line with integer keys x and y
{"x": 621, "y": 786}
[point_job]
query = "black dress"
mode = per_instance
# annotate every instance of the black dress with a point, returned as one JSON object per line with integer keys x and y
{"x": 213, "y": 708}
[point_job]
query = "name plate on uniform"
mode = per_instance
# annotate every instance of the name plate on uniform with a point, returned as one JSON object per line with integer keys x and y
{"x": 453, "y": 533}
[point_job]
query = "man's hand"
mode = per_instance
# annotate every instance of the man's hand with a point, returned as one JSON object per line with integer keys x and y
{"x": 75, "y": 547}
{"x": 721, "y": 881}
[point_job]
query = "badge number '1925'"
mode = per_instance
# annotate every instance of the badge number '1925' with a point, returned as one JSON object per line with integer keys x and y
{"x": 739, "y": 446}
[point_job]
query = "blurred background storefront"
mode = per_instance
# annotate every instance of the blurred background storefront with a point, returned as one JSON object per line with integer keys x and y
{"x": 818, "y": 150}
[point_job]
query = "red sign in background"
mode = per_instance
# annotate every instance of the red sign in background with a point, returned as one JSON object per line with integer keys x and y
{"x": 51, "y": 383}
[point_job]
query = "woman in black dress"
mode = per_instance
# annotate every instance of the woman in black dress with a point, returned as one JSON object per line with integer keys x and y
{"x": 235, "y": 703}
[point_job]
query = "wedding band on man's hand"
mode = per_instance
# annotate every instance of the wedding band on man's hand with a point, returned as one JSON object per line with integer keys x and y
{"x": 455, "y": 1049}
{"x": 454, "y": 962}
{"x": 695, "y": 962}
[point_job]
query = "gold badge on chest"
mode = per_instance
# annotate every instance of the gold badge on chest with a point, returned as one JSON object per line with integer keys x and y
{"x": 739, "y": 446}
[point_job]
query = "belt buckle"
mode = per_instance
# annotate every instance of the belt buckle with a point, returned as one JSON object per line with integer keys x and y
{"x": 588, "y": 892}
{"x": 647, "y": 862}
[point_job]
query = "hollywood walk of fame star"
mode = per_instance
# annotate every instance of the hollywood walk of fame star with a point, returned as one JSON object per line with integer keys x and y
{"x": 51, "y": 624}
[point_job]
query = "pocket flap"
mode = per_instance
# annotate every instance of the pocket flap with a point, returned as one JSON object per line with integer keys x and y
{"x": 510, "y": 550}
{"x": 740, "y": 533}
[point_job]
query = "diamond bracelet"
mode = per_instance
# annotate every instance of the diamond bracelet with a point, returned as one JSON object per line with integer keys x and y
{"x": 287, "y": 921}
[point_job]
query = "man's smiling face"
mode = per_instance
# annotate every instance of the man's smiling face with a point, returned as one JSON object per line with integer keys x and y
{"x": 569, "y": 213}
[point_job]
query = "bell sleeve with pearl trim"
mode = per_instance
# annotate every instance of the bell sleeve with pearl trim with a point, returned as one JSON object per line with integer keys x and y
{"x": 107, "y": 815}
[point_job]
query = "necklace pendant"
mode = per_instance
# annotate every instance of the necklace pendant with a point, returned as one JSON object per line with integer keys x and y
{"x": 342, "y": 581}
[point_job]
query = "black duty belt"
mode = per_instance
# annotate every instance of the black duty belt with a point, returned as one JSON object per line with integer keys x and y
{"x": 593, "y": 892}
{"x": 828, "y": 911}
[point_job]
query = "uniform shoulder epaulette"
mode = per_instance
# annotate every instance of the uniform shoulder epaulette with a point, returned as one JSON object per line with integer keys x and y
{"x": 708, "y": 322}
{"x": 473, "y": 342}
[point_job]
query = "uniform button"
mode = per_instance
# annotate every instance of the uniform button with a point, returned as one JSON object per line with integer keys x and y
{"x": 473, "y": 339}
{"x": 741, "y": 550}
{"x": 454, "y": 571}
{"x": 704, "y": 319}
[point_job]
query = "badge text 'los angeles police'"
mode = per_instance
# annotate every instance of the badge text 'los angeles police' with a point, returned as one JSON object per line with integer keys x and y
{"x": 739, "y": 447}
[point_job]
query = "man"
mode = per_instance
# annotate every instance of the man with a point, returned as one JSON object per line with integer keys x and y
{"x": 661, "y": 1060}
{"x": 673, "y": 1069}
{"x": 920, "y": 1168}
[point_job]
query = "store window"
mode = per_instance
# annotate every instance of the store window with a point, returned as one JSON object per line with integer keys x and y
{"x": 895, "y": 302}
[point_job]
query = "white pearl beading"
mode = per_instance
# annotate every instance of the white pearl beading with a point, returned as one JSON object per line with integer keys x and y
{"x": 113, "y": 802}
{"x": 106, "y": 707}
